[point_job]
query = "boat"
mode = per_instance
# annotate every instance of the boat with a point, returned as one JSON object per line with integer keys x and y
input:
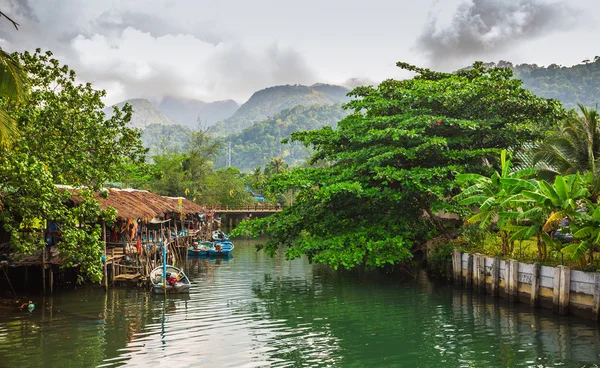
{"x": 182, "y": 285}
{"x": 219, "y": 236}
{"x": 199, "y": 248}
{"x": 221, "y": 248}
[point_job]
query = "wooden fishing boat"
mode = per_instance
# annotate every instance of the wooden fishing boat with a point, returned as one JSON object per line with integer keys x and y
{"x": 199, "y": 248}
{"x": 181, "y": 286}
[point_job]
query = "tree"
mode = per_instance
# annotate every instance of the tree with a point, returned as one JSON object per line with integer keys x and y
{"x": 65, "y": 139}
{"x": 396, "y": 158}
{"x": 12, "y": 86}
{"x": 574, "y": 148}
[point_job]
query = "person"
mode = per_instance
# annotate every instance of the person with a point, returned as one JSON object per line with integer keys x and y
{"x": 171, "y": 280}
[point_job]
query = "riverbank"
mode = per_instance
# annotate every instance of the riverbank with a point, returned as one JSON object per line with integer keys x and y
{"x": 559, "y": 288}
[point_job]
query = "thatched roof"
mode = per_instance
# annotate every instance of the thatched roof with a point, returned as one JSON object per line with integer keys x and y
{"x": 187, "y": 205}
{"x": 133, "y": 204}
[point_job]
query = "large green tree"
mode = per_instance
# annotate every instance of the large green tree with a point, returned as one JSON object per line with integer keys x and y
{"x": 12, "y": 86}
{"x": 395, "y": 159}
{"x": 65, "y": 139}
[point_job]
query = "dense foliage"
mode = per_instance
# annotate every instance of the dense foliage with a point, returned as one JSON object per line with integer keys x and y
{"x": 64, "y": 139}
{"x": 190, "y": 172}
{"x": 396, "y": 158}
{"x": 559, "y": 213}
{"x": 157, "y": 137}
{"x": 570, "y": 85}
{"x": 256, "y": 145}
{"x": 272, "y": 100}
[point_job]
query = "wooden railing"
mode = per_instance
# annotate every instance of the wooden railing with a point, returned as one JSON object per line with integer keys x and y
{"x": 249, "y": 208}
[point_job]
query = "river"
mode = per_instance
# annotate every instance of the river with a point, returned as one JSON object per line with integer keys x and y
{"x": 256, "y": 311}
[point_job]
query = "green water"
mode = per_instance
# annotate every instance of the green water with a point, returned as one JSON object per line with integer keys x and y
{"x": 256, "y": 311}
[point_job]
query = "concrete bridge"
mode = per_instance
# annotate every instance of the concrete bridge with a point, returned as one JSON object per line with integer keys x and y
{"x": 233, "y": 215}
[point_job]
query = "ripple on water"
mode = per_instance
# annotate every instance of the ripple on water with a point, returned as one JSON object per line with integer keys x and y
{"x": 255, "y": 311}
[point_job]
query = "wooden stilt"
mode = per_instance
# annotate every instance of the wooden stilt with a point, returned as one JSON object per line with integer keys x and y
{"x": 105, "y": 255}
{"x": 44, "y": 269}
{"x": 51, "y": 280}
{"x": 112, "y": 265}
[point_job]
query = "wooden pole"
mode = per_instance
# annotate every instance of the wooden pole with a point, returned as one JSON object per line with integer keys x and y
{"x": 44, "y": 269}
{"x": 112, "y": 265}
{"x": 51, "y": 280}
{"x": 105, "y": 255}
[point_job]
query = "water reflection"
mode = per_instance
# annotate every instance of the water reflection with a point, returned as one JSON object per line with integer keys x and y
{"x": 252, "y": 310}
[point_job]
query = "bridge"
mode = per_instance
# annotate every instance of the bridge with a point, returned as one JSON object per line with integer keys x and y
{"x": 248, "y": 209}
{"x": 235, "y": 214}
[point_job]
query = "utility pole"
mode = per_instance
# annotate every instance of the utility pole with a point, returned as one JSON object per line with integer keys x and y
{"x": 229, "y": 154}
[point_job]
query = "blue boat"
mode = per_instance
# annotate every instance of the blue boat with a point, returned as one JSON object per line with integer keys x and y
{"x": 200, "y": 248}
{"x": 221, "y": 248}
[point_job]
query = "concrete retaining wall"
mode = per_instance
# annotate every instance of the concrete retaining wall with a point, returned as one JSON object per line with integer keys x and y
{"x": 559, "y": 288}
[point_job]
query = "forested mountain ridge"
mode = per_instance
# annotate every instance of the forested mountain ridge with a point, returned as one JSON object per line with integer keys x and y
{"x": 261, "y": 141}
{"x": 570, "y": 85}
{"x": 270, "y": 101}
{"x": 191, "y": 113}
{"x": 144, "y": 113}
{"x": 174, "y": 137}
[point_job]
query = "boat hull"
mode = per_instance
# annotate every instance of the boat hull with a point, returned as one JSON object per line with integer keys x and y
{"x": 182, "y": 289}
{"x": 182, "y": 286}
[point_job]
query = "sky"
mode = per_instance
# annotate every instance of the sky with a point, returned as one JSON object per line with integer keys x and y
{"x": 228, "y": 49}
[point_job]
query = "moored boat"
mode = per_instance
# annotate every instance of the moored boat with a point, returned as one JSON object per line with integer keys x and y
{"x": 199, "y": 248}
{"x": 221, "y": 248}
{"x": 176, "y": 281}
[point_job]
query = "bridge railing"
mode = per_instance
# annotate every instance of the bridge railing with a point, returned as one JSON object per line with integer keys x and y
{"x": 250, "y": 208}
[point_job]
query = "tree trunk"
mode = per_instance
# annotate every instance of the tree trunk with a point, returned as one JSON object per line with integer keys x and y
{"x": 539, "y": 246}
{"x": 438, "y": 223}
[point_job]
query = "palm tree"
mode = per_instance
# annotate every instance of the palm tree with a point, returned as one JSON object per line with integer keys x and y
{"x": 12, "y": 82}
{"x": 574, "y": 148}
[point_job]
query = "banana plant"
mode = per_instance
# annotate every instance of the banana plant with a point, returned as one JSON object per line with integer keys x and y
{"x": 543, "y": 206}
{"x": 588, "y": 231}
{"x": 493, "y": 196}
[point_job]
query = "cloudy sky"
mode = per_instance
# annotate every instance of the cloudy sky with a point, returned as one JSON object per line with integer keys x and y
{"x": 214, "y": 50}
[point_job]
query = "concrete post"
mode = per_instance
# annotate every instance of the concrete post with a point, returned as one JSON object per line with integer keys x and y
{"x": 495, "y": 276}
{"x": 565, "y": 290}
{"x": 480, "y": 270}
{"x": 476, "y": 271}
{"x": 507, "y": 266}
{"x": 515, "y": 278}
{"x": 596, "y": 307}
{"x": 457, "y": 265}
{"x": 556, "y": 287}
{"x": 469, "y": 278}
{"x": 512, "y": 279}
{"x": 535, "y": 285}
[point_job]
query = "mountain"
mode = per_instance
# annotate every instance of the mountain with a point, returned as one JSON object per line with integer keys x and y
{"x": 155, "y": 136}
{"x": 570, "y": 85}
{"x": 144, "y": 113}
{"x": 192, "y": 113}
{"x": 257, "y": 144}
{"x": 272, "y": 100}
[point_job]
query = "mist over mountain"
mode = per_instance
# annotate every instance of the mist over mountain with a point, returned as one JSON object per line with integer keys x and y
{"x": 144, "y": 113}
{"x": 269, "y": 101}
{"x": 193, "y": 113}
